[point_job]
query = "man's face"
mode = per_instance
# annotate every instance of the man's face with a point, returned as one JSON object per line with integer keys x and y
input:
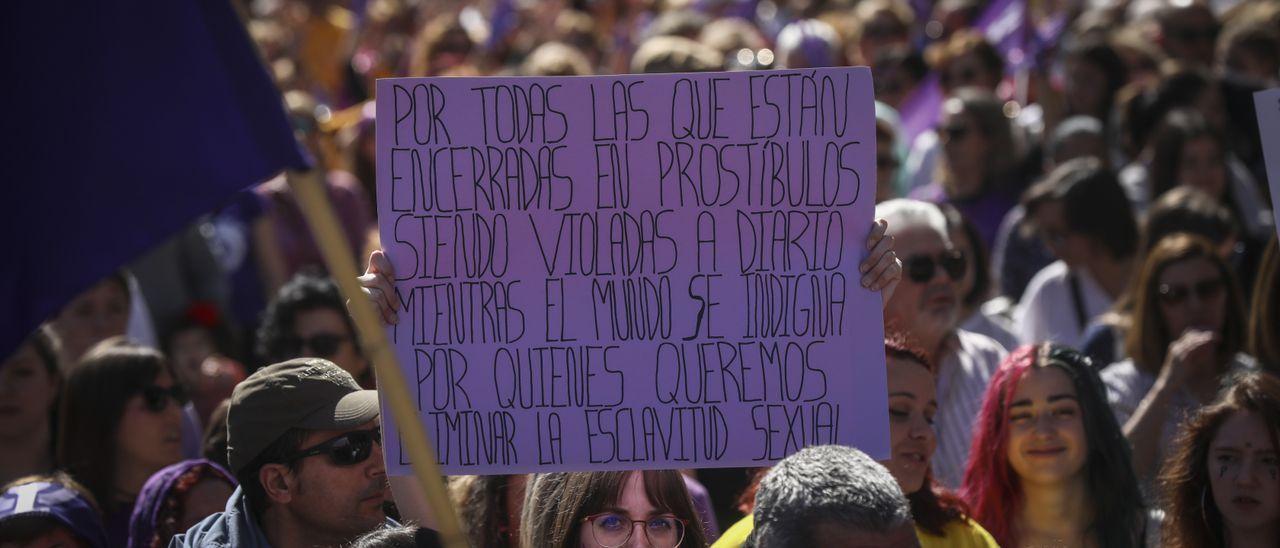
{"x": 925, "y": 309}
{"x": 342, "y": 502}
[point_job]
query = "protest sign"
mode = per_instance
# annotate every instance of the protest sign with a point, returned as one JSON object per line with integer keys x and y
{"x": 1267, "y": 103}
{"x": 625, "y": 272}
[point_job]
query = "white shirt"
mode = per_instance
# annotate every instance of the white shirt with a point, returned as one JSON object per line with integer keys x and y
{"x": 1047, "y": 312}
{"x": 990, "y": 320}
{"x": 963, "y": 374}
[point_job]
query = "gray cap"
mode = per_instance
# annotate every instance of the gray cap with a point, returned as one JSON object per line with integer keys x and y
{"x": 308, "y": 393}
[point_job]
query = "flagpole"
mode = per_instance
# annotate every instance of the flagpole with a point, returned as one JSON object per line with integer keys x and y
{"x": 309, "y": 188}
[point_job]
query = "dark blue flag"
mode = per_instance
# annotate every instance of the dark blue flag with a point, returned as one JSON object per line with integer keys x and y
{"x": 126, "y": 121}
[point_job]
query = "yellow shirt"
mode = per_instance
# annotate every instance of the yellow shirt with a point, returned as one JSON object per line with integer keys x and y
{"x": 957, "y": 534}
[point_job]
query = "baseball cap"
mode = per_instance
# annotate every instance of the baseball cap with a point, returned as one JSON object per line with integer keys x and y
{"x": 53, "y": 500}
{"x": 308, "y": 393}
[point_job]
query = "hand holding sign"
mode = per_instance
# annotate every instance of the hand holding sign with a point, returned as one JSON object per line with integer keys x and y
{"x": 633, "y": 271}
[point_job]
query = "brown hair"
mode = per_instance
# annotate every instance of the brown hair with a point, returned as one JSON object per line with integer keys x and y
{"x": 1192, "y": 519}
{"x": 93, "y": 403}
{"x": 1264, "y": 337}
{"x": 556, "y": 503}
{"x": 1147, "y": 341}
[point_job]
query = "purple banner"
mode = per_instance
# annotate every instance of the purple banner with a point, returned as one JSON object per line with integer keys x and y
{"x": 626, "y": 272}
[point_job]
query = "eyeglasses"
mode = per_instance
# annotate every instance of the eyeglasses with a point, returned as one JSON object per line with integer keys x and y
{"x": 321, "y": 345}
{"x": 611, "y": 529}
{"x": 921, "y": 268}
{"x": 346, "y": 450}
{"x": 157, "y": 398}
{"x": 1174, "y": 295}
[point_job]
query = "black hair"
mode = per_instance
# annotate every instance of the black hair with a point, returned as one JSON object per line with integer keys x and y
{"x": 1119, "y": 509}
{"x": 306, "y": 291}
{"x": 276, "y": 453}
{"x": 1093, "y": 202}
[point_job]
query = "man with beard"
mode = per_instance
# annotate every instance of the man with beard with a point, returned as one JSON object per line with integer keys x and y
{"x": 925, "y": 309}
{"x": 304, "y": 441}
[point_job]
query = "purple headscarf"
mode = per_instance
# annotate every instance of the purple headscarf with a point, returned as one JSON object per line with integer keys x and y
{"x": 156, "y": 492}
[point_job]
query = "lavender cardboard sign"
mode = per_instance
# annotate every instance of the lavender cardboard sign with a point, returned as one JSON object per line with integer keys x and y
{"x": 626, "y": 272}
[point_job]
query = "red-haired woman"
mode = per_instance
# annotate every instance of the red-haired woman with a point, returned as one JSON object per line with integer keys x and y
{"x": 1049, "y": 466}
{"x": 1222, "y": 484}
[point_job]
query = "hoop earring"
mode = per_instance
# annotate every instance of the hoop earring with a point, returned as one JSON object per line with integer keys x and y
{"x": 1203, "y": 502}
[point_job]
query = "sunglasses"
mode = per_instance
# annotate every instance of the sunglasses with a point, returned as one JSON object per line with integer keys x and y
{"x": 1174, "y": 295}
{"x": 346, "y": 450}
{"x": 322, "y": 345}
{"x": 156, "y": 399}
{"x": 887, "y": 161}
{"x": 921, "y": 268}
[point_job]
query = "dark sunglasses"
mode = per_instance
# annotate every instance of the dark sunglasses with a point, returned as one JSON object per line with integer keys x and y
{"x": 346, "y": 450}
{"x": 1174, "y": 295}
{"x": 323, "y": 345}
{"x": 921, "y": 268}
{"x": 887, "y": 161}
{"x": 157, "y": 399}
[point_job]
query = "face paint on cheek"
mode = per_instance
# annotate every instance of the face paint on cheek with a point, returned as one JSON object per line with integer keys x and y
{"x": 1222, "y": 471}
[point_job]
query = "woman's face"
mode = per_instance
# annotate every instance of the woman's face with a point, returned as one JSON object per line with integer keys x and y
{"x": 887, "y": 165}
{"x": 912, "y": 404}
{"x": 1244, "y": 473}
{"x": 147, "y": 438}
{"x": 1050, "y": 219}
{"x": 965, "y": 148}
{"x": 97, "y": 314}
{"x": 1192, "y": 294}
{"x": 612, "y": 524}
{"x": 1047, "y": 444}
{"x": 1201, "y": 166}
{"x": 27, "y": 391}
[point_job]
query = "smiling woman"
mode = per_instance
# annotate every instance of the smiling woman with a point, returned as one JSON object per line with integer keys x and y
{"x": 1049, "y": 466}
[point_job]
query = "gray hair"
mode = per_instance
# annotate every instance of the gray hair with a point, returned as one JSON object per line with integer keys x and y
{"x": 905, "y": 213}
{"x": 826, "y": 484}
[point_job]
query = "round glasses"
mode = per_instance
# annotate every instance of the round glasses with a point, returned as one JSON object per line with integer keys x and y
{"x": 611, "y": 529}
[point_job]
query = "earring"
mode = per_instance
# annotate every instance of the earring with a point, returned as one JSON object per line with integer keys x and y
{"x": 1204, "y": 492}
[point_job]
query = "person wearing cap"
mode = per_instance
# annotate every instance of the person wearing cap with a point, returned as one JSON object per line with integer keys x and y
{"x": 50, "y": 510}
{"x": 304, "y": 442}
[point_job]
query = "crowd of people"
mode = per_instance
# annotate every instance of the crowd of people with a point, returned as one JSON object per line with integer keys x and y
{"x": 1075, "y": 248}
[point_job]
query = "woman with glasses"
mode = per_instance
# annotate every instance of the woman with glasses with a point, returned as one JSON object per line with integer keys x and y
{"x": 1049, "y": 466}
{"x": 977, "y": 170}
{"x": 609, "y": 510}
{"x": 1187, "y": 333}
{"x": 121, "y": 422}
{"x": 1222, "y": 483}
